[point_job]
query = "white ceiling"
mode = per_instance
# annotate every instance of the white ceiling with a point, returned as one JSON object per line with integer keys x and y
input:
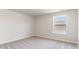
{"x": 36, "y": 12}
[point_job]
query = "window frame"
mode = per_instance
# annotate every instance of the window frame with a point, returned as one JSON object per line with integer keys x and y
{"x": 54, "y": 23}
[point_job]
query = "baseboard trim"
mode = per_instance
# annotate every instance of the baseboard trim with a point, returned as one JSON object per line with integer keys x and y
{"x": 58, "y": 40}
{"x": 8, "y": 41}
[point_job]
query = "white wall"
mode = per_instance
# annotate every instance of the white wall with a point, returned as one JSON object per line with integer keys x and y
{"x": 44, "y": 26}
{"x": 14, "y": 26}
{"x": 78, "y": 28}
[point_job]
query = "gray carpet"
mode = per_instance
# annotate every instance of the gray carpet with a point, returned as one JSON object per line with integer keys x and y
{"x": 38, "y": 43}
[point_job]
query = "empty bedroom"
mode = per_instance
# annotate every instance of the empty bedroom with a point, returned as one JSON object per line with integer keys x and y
{"x": 38, "y": 28}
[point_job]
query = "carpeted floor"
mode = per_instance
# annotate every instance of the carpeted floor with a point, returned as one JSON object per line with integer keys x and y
{"x": 38, "y": 43}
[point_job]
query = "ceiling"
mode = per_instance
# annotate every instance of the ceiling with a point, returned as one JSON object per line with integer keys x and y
{"x": 36, "y": 12}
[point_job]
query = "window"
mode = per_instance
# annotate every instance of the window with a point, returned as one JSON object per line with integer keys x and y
{"x": 59, "y": 24}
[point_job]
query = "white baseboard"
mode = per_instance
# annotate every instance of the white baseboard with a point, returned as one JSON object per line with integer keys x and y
{"x": 7, "y": 41}
{"x": 58, "y": 39}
